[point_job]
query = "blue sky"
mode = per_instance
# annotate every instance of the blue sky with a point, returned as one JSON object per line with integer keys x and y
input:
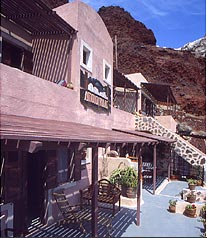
{"x": 174, "y": 22}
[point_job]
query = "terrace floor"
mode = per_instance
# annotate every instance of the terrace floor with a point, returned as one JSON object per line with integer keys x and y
{"x": 156, "y": 221}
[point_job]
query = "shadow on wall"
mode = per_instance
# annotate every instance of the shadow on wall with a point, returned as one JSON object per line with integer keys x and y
{"x": 51, "y": 58}
{"x": 108, "y": 164}
{"x": 72, "y": 194}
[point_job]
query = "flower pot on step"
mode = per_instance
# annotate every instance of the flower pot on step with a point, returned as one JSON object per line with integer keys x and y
{"x": 190, "y": 212}
{"x": 191, "y": 198}
{"x": 172, "y": 208}
{"x": 192, "y": 186}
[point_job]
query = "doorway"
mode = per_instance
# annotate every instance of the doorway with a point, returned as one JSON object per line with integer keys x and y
{"x": 36, "y": 163}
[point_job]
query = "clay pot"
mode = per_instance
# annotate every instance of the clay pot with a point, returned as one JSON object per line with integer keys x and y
{"x": 172, "y": 208}
{"x": 192, "y": 186}
{"x": 190, "y": 212}
{"x": 199, "y": 182}
{"x": 191, "y": 199}
{"x": 174, "y": 177}
{"x": 129, "y": 192}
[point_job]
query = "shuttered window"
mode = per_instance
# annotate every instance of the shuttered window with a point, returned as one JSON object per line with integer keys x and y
{"x": 69, "y": 165}
{"x": 11, "y": 176}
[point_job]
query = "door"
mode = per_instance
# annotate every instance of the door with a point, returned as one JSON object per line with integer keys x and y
{"x": 36, "y": 163}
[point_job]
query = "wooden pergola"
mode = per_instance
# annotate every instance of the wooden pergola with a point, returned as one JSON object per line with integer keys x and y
{"x": 36, "y": 17}
{"x": 28, "y": 133}
{"x": 160, "y": 94}
{"x": 126, "y": 88}
{"x": 161, "y": 139}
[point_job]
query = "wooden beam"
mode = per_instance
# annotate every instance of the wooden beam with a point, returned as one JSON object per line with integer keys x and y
{"x": 17, "y": 146}
{"x": 94, "y": 222}
{"x": 154, "y": 167}
{"x": 138, "y": 155}
{"x": 107, "y": 145}
{"x": 81, "y": 146}
{"x": 34, "y": 146}
{"x": 123, "y": 145}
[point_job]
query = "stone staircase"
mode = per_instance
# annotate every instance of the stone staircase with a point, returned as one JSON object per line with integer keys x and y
{"x": 182, "y": 147}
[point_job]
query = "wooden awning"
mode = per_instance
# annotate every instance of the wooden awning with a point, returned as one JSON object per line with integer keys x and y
{"x": 160, "y": 92}
{"x": 36, "y": 17}
{"x": 119, "y": 80}
{"x": 25, "y": 128}
{"x": 147, "y": 135}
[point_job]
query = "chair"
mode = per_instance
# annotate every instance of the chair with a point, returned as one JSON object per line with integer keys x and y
{"x": 78, "y": 214}
{"x": 72, "y": 213}
{"x": 108, "y": 193}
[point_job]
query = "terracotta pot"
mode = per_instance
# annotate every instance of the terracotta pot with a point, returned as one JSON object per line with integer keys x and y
{"x": 199, "y": 182}
{"x": 174, "y": 177}
{"x": 190, "y": 212}
{"x": 191, "y": 199}
{"x": 172, "y": 208}
{"x": 192, "y": 186}
{"x": 129, "y": 192}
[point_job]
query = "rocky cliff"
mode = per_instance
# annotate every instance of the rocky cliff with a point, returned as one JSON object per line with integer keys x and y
{"x": 183, "y": 69}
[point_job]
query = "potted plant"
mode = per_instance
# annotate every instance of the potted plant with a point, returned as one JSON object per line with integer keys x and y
{"x": 190, "y": 210}
{"x": 191, "y": 197}
{"x": 172, "y": 205}
{"x": 129, "y": 179}
{"x": 199, "y": 180}
{"x": 175, "y": 175}
{"x": 192, "y": 183}
{"x": 202, "y": 216}
{"x": 115, "y": 177}
{"x": 126, "y": 179}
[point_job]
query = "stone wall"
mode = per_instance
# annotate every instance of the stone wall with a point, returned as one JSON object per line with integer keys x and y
{"x": 183, "y": 148}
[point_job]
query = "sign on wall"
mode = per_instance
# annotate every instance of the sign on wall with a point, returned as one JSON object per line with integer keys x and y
{"x": 94, "y": 93}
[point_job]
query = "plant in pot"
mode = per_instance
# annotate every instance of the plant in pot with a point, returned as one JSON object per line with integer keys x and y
{"x": 202, "y": 216}
{"x": 190, "y": 210}
{"x": 129, "y": 178}
{"x": 175, "y": 175}
{"x": 115, "y": 177}
{"x": 172, "y": 205}
{"x": 199, "y": 179}
{"x": 191, "y": 197}
{"x": 192, "y": 183}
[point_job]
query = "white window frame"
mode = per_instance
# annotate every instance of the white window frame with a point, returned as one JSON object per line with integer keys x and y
{"x": 85, "y": 47}
{"x": 107, "y": 78}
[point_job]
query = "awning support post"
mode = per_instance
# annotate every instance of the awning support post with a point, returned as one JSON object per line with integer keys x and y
{"x": 94, "y": 222}
{"x": 154, "y": 167}
{"x": 138, "y": 155}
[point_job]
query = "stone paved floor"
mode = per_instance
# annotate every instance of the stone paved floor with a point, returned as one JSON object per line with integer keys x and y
{"x": 156, "y": 221}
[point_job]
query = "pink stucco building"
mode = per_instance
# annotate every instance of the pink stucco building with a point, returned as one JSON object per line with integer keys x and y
{"x": 57, "y": 102}
{"x": 56, "y": 68}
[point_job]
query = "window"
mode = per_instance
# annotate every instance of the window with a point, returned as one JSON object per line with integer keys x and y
{"x": 86, "y": 56}
{"x": 85, "y": 157}
{"x": 17, "y": 57}
{"x": 107, "y": 72}
{"x": 62, "y": 165}
{"x": 66, "y": 166}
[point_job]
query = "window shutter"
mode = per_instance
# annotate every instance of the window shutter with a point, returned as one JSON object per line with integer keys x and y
{"x": 51, "y": 169}
{"x": 11, "y": 177}
{"x": 77, "y": 163}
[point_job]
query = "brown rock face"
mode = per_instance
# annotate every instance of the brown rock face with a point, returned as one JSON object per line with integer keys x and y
{"x": 137, "y": 52}
{"x": 119, "y": 22}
